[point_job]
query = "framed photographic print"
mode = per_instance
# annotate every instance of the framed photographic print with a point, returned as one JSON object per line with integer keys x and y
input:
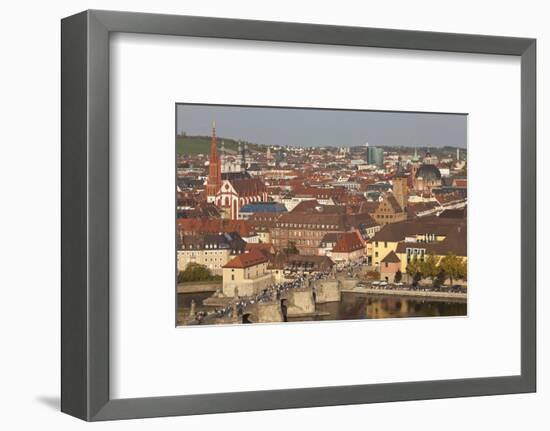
{"x": 264, "y": 215}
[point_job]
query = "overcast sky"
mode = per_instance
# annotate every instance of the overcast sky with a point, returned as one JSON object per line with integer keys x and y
{"x": 316, "y": 127}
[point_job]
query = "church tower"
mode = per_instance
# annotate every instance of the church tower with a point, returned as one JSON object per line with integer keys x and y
{"x": 400, "y": 191}
{"x": 244, "y": 164}
{"x": 214, "y": 181}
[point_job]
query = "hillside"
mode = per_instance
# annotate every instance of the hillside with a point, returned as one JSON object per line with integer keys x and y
{"x": 193, "y": 145}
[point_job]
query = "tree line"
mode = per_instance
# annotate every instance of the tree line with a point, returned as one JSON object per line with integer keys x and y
{"x": 196, "y": 272}
{"x": 438, "y": 270}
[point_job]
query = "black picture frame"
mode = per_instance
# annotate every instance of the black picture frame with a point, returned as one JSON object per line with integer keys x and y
{"x": 85, "y": 214}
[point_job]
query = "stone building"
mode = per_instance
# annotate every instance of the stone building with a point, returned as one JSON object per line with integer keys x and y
{"x": 389, "y": 267}
{"x": 426, "y": 178}
{"x": 306, "y": 230}
{"x": 349, "y": 247}
{"x": 400, "y": 191}
{"x": 210, "y": 250}
{"x": 246, "y": 274}
{"x": 283, "y": 266}
{"x": 263, "y": 223}
{"x": 389, "y": 211}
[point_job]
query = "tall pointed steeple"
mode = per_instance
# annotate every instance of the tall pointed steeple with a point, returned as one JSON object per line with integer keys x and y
{"x": 214, "y": 168}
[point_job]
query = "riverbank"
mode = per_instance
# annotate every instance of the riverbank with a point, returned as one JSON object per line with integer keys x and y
{"x": 199, "y": 286}
{"x": 403, "y": 292}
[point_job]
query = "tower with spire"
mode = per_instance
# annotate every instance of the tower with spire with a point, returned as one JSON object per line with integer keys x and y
{"x": 214, "y": 181}
{"x": 415, "y": 157}
{"x": 244, "y": 165}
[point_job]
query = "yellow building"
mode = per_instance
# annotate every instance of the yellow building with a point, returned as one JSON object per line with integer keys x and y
{"x": 418, "y": 238}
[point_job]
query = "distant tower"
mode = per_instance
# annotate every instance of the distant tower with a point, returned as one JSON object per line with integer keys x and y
{"x": 458, "y": 154}
{"x": 238, "y": 166}
{"x": 415, "y": 157}
{"x": 268, "y": 153}
{"x": 214, "y": 181}
{"x": 243, "y": 158}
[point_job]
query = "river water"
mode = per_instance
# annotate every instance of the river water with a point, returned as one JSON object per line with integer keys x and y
{"x": 355, "y": 306}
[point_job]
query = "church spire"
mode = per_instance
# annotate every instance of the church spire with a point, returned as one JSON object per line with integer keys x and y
{"x": 214, "y": 168}
{"x": 213, "y": 143}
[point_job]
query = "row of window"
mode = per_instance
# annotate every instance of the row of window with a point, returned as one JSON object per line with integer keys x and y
{"x": 307, "y": 226}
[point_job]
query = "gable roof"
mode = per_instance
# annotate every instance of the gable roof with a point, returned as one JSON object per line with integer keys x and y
{"x": 391, "y": 257}
{"x": 246, "y": 260}
{"x": 248, "y": 186}
{"x": 396, "y": 232}
{"x": 194, "y": 226}
{"x": 265, "y": 248}
{"x": 347, "y": 243}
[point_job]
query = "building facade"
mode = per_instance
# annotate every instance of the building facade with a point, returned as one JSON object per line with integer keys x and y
{"x": 231, "y": 191}
{"x": 246, "y": 274}
{"x": 210, "y": 250}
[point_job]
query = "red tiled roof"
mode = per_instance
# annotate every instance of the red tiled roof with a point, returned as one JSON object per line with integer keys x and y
{"x": 188, "y": 225}
{"x": 265, "y": 248}
{"x": 347, "y": 243}
{"x": 248, "y": 186}
{"x": 246, "y": 260}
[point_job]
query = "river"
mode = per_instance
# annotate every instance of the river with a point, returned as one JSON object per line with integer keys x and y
{"x": 359, "y": 306}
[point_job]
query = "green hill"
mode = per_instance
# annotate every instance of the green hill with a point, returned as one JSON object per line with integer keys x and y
{"x": 193, "y": 145}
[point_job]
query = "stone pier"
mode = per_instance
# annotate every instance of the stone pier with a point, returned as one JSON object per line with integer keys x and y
{"x": 300, "y": 301}
{"x": 327, "y": 291}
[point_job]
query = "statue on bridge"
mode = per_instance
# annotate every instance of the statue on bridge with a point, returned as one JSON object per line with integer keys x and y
{"x": 192, "y": 312}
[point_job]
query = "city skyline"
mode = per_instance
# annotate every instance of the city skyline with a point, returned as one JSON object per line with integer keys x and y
{"x": 297, "y": 235}
{"x": 324, "y": 127}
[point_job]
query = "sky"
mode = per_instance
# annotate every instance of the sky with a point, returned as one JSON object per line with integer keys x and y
{"x": 322, "y": 128}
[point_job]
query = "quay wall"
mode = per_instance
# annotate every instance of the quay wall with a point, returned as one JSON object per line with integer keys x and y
{"x": 397, "y": 292}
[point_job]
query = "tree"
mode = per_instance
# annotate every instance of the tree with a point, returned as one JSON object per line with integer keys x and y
{"x": 440, "y": 279}
{"x": 429, "y": 268}
{"x": 291, "y": 248}
{"x": 398, "y": 276}
{"x": 453, "y": 266}
{"x": 414, "y": 271}
{"x": 195, "y": 272}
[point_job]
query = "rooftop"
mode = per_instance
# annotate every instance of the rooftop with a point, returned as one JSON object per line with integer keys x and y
{"x": 263, "y": 207}
{"x": 347, "y": 243}
{"x": 246, "y": 260}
